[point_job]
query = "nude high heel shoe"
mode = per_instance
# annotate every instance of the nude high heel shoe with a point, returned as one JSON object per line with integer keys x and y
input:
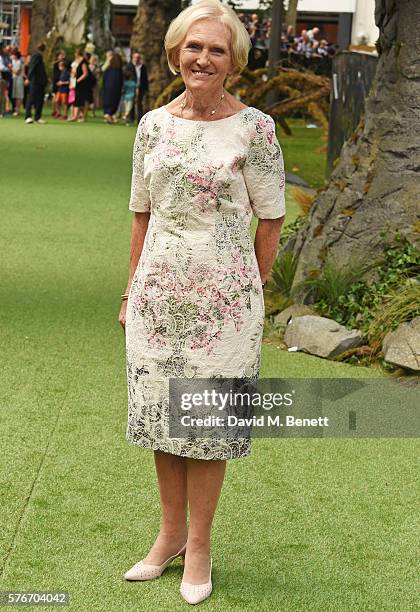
{"x": 194, "y": 593}
{"x": 147, "y": 571}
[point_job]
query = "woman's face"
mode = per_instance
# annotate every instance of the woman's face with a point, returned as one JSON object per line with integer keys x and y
{"x": 204, "y": 56}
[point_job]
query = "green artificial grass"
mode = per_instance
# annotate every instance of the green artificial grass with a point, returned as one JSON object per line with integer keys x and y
{"x": 304, "y": 151}
{"x": 302, "y": 524}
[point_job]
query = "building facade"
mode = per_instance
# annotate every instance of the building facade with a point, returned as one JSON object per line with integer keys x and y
{"x": 342, "y": 22}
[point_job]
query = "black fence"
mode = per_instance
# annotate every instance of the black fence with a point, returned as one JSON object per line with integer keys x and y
{"x": 352, "y": 76}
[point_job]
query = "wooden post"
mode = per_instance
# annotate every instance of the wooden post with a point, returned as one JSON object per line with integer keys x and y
{"x": 274, "y": 52}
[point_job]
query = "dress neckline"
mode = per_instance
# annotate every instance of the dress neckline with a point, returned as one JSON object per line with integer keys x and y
{"x": 203, "y": 120}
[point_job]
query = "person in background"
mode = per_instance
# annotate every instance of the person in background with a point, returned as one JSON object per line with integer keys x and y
{"x": 72, "y": 91}
{"x": 332, "y": 49}
{"x": 9, "y": 51}
{"x": 82, "y": 86}
{"x": 130, "y": 66}
{"x": 62, "y": 95}
{"x": 112, "y": 87}
{"x": 60, "y": 57}
{"x": 6, "y": 76}
{"x": 91, "y": 82}
{"x": 2, "y": 69}
{"x": 142, "y": 83}
{"x": 18, "y": 85}
{"x": 304, "y": 44}
{"x": 323, "y": 48}
{"x": 26, "y": 62}
{"x": 290, "y": 35}
{"x": 96, "y": 72}
{"x": 128, "y": 95}
{"x": 254, "y": 28}
{"x": 37, "y": 83}
{"x": 312, "y": 34}
{"x": 108, "y": 57}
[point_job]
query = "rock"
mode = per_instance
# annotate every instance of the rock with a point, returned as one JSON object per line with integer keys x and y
{"x": 402, "y": 346}
{"x": 321, "y": 336}
{"x": 295, "y": 310}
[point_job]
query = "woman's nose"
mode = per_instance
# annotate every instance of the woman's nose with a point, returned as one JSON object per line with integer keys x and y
{"x": 203, "y": 58}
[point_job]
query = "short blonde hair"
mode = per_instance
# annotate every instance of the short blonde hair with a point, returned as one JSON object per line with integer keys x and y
{"x": 209, "y": 9}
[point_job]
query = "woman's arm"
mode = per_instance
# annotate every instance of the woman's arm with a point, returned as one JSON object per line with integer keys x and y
{"x": 84, "y": 74}
{"x": 266, "y": 244}
{"x": 264, "y": 176}
{"x": 138, "y": 233}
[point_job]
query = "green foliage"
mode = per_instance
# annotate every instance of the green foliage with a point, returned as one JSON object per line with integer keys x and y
{"x": 402, "y": 304}
{"x": 354, "y": 302}
{"x": 334, "y": 286}
{"x": 283, "y": 272}
{"x": 280, "y": 294}
{"x": 291, "y": 229}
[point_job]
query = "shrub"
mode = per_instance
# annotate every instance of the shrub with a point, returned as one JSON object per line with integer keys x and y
{"x": 400, "y": 306}
{"x": 283, "y": 273}
{"x": 355, "y": 303}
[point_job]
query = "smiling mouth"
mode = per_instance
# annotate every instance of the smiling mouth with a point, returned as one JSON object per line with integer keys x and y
{"x": 202, "y": 72}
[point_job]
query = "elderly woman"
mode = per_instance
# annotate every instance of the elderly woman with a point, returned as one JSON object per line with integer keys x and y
{"x": 194, "y": 306}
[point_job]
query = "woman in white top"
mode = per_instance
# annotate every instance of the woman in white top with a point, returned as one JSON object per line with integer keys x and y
{"x": 18, "y": 85}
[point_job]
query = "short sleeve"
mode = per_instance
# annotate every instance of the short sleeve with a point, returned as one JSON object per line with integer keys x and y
{"x": 139, "y": 198}
{"x": 264, "y": 171}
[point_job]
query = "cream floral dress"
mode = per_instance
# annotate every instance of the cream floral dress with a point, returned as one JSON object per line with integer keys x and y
{"x": 196, "y": 306}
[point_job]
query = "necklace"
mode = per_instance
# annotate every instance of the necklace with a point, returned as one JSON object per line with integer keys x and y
{"x": 183, "y": 103}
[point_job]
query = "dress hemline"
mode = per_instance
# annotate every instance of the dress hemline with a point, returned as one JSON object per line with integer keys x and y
{"x": 186, "y": 454}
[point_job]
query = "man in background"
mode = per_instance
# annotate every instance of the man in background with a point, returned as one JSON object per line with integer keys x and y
{"x": 37, "y": 83}
{"x": 142, "y": 81}
{"x": 5, "y": 80}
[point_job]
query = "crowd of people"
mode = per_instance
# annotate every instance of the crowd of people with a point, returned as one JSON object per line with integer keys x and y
{"x": 78, "y": 85}
{"x": 308, "y": 43}
{"x": 81, "y": 83}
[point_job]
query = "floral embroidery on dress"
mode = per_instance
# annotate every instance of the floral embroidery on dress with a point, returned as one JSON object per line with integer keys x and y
{"x": 195, "y": 306}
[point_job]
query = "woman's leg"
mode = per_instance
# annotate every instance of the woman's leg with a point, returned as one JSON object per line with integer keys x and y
{"x": 8, "y": 108}
{"x": 83, "y": 112}
{"x": 172, "y": 478}
{"x": 204, "y": 482}
{"x": 55, "y": 106}
{"x": 73, "y": 114}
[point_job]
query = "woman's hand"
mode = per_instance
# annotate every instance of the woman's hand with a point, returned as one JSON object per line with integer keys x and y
{"x": 122, "y": 314}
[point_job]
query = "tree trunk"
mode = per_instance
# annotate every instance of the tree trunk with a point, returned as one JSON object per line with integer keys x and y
{"x": 291, "y": 14}
{"x": 373, "y": 191}
{"x": 55, "y": 21}
{"x": 274, "y": 51}
{"x": 42, "y": 21}
{"x": 149, "y": 29}
{"x": 100, "y": 19}
{"x": 71, "y": 20}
